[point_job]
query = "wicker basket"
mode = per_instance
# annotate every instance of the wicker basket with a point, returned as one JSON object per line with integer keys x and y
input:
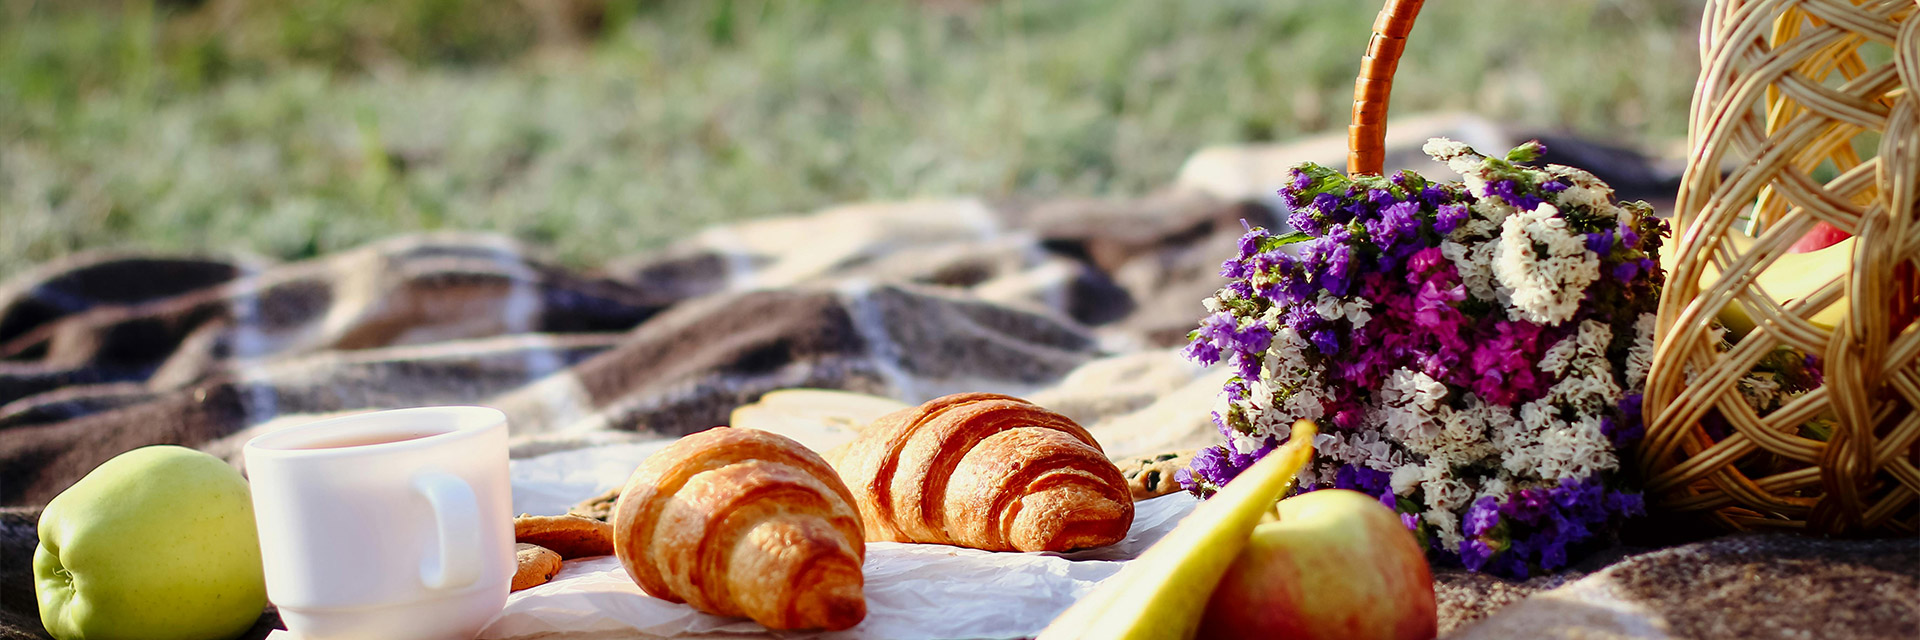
{"x": 1784, "y": 90}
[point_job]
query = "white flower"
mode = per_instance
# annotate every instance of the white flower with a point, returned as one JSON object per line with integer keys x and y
{"x": 1327, "y": 445}
{"x": 1555, "y": 359}
{"x": 1408, "y": 407}
{"x": 1404, "y": 480}
{"x": 1446, "y": 524}
{"x": 1332, "y": 308}
{"x": 1761, "y": 391}
{"x": 1475, "y": 264}
{"x": 1448, "y": 494}
{"x": 1495, "y": 211}
{"x": 1246, "y": 443}
{"x": 1462, "y": 440}
{"x": 1576, "y": 450}
{"x": 1304, "y": 404}
{"x": 1327, "y": 306}
{"x": 1586, "y": 191}
{"x": 1494, "y": 487}
{"x": 1314, "y": 475}
{"x": 1547, "y": 289}
{"x": 1447, "y": 149}
{"x": 1640, "y": 356}
{"x": 1286, "y": 364}
{"x": 1593, "y": 338}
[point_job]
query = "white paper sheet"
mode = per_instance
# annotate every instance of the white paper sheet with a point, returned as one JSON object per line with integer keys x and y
{"x": 913, "y": 591}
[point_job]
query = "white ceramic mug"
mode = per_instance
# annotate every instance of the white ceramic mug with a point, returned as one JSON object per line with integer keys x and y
{"x": 392, "y": 524}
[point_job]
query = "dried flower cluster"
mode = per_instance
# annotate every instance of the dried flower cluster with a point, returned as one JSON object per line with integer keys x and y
{"x": 1474, "y": 352}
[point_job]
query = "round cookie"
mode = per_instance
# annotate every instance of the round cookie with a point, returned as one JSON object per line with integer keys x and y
{"x": 1152, "y": 476}
{"x": 536, "y": 565}
{"x": 570, "y": 536}
{"x": 599, "y": 507}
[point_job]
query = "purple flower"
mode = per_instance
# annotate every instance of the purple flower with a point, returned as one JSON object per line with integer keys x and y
{"x": 1506, "y": 190}
{"x": 1329, "y": 261}
{"x": 1554, "y": 186}
{"x": 1432, "y": 305}
{"x": 1626, "y": 270}
{"x": 1600, "y": 242}
{"x": 1379, "y": 198}
{"x": 1326, "y": 204}
{"x": 1310, "y": 219}
{"x": 1628, "y": 427}
{"x": 1233, "y": 268}
{"x": 1301, "y": 180}
{"x": 1482, "y": 517}
{"x": 1504, "y": 361}
{"x": 1235, "y": 390}
{"x": 1362, "y": 479}
{"x": 1209, "y": 465}
{"x": 1217, "y": 331}
{"x": 1629, "y": 237}
{"x": 1553, "y": 554}
{"x": 1201, "y": 352}
{"x": 1241, "y": 288}
{"x": 1275, "y": 261}
{"x": 1626, "y": 504}
{"x": 1246, "y": 366}
{"x": 1326, "y": 341}
{"x": 1398, "y": 222}
{"x": 1475, "y": 554}
{"x": 1250, "y": 242}
{"x": 1252, "y": 340}
{"x": 1449, "y": 218}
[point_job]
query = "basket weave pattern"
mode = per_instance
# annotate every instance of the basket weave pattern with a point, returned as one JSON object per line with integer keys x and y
{"x": 1785, "y": 91}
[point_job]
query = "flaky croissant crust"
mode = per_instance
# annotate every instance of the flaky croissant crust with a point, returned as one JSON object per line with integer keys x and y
{"x": 741, "y": 522}
{"x": 986, "y": 471}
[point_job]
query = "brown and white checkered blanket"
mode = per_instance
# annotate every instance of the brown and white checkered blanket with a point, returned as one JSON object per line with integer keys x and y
{"x": 101, "y": 354}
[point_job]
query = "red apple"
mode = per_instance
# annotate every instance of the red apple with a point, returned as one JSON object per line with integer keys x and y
{"x": 1338, "y": 564}
{"x": 1822, "y": 236}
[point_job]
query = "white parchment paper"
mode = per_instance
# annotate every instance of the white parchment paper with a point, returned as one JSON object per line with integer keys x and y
{"x": 914, "y": 591}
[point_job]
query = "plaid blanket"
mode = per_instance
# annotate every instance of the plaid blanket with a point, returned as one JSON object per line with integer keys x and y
{"x": 1074, "y": 303}
{"x": 100, "y": 354}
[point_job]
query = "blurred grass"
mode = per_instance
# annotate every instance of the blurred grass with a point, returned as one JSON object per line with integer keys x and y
{"x": 306, "y": 126}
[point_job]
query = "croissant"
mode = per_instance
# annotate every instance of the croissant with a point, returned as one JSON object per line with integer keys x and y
{"x": 740, "y": 522}
{"x": 985, "y": 471}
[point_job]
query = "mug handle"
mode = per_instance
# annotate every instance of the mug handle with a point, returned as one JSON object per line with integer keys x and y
{"x": 456, "y": 511}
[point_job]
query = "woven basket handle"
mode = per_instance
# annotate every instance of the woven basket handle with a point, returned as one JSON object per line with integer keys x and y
{"x": 1367, "y": 136}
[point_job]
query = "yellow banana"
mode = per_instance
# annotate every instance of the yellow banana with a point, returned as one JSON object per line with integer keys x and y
{"x": 1794, "y": 276}
{"x": 1162, "y": 593}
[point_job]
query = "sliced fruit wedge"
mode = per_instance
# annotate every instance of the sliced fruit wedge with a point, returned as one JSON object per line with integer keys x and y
{"x": 1162, "y": 593}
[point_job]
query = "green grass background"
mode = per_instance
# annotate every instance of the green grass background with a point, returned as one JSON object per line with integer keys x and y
{"x": 299, "y": 127}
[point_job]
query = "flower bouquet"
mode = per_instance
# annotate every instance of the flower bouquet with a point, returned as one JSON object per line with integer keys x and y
{"x": 1474, "y": 352}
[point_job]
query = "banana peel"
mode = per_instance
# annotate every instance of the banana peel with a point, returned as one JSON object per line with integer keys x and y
{"x": 1163, "y": 592}
{"x": 1794, "y": 276}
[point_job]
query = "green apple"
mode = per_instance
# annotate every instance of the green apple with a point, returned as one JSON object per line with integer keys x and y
{"x": 1338, "y": 564}
{"x": 157, "y": 543}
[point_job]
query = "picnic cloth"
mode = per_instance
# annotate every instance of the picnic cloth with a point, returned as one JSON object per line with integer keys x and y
{"x": 1079, "y": 304}
{"x": 104, "y": 353}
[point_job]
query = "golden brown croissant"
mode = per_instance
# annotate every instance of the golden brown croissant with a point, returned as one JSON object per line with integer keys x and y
{"x": 740, "y": 522}
{"x": 985, "y": 471}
